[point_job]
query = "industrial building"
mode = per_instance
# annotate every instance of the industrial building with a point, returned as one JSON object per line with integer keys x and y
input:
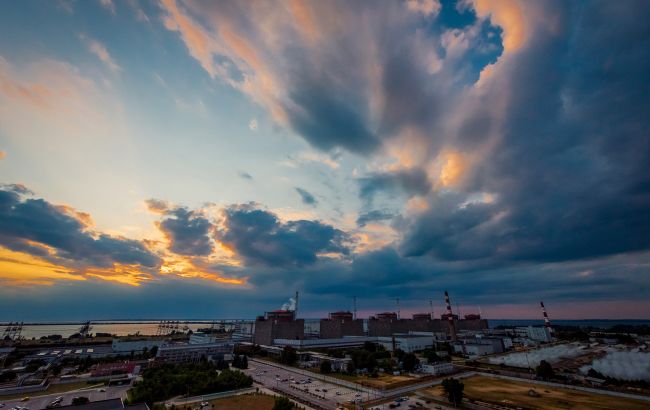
{"x": 437, "y": 369}
{"x": 479, "y": 346}
{"x": 129, "y": 345}
{"x": 534, "y": 333}
{"x": 340, "y": 324}
{"x": 278, "y": 324}
{"x": 406, "y": 342}
{"x": 187, "y": 353}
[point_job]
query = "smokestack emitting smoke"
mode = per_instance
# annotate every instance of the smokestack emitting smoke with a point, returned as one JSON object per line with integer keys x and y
{"x": 450, "y": 317}
{"x": 289, "y": 305}
{"x": 547, "y": 322}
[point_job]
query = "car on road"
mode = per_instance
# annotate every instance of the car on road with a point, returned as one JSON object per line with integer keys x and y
{"x": 25, "y": 398}
{"x": 2, "y": 405}
{"x": 204, "y": 404}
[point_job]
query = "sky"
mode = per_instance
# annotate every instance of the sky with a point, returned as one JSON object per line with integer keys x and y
{"x": 197, "y": 159}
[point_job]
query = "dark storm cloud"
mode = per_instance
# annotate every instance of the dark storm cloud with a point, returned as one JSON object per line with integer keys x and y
{"x": 306, "y": 197}
{"x": 188, "y": 231}
{"x": 374, "y": 216}
{"x": 411, "y": 182}
{"x": 27, "y": 222}
{"x": 261, "y": 239}
{"x": 571, "y": 171}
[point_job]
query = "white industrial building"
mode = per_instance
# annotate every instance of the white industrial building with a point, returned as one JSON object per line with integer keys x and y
{"x": 437, "y": 369}
{"x": 535, "y": 333}
{"x": 407, "y": 342}
{"x": 184, "y": 353}
{"x": 126, "y": 345}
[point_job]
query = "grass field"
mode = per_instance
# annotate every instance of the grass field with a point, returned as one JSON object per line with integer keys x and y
{"x": 384, "y": 381}
{"x": 244, "y": 402}
{"x": 515, "y": 394}
{"x": 54, "y": 388}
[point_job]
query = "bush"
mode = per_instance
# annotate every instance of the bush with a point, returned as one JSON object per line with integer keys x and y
{"x": 80, "y": 400}
{"x": 409, "y": 362}
{"x": 326, "y": 367}
{"x": 282, "y": 403}
{"x": 544, "y": 370}
{"x": 454, "y": 390}
{"x": 288, "y": 355}
{"x": 161, "y": 383}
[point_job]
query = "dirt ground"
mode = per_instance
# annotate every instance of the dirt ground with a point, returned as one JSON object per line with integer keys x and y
{"x": 244, "y": 402}
{"x": 515, "y": 394}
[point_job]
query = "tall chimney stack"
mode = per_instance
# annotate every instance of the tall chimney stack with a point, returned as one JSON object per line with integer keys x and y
{"x": 450, "y": 318}
{"x": 547, "y": 322}
{"x": 295, "y": 310}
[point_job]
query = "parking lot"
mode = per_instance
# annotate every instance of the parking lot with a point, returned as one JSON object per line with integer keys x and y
{"x": 93, "y": 394}
{"x": 326, "y": 395}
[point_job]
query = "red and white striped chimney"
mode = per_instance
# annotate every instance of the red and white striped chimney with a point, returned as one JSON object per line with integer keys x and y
{"x": 547, "y": 322}
{"x": 450, "y": 317}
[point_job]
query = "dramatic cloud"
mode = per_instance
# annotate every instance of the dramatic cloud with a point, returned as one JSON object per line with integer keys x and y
{"x": 261, "y": 239}
{"x": 306, "y": 197}
{"x": 374, "y": 216}
{"x": 59, "y": 232}
{"x": 188, "y": 231}
{"x": 409, "y": 182}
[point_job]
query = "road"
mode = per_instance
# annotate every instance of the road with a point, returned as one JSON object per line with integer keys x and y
{"x": 317, "y": 393}
{"x": 94, "y": 394}
{"x": 322, "y": 394}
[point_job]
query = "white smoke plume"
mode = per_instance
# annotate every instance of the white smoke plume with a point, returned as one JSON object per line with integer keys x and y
{"x": 289, "y": 305}
{"x": 533, "y": 357}
{"x": 622, "y": 365}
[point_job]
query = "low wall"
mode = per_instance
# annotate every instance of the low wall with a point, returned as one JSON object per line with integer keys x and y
{"x": 211, "y": 396}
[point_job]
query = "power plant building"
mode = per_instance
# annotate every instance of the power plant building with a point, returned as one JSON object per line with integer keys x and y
{"x": 341, "y": 324}
{"x": 278, "y": 324}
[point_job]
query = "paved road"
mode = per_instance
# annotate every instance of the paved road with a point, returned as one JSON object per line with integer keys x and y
{"x": 316, "y": 392}
{"x": 39, "y": 402}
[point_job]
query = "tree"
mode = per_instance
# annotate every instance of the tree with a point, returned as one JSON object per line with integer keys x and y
{"x": 351, "y": 368}
{"x": 399, "y": 354}
{"x": 80, "y": 400}
{"x": 431, "y": 356}
{"x": 387, "y": 365}
{"x": 454, "y": 390}
{"x": 282, "y": 403}
{"x": 326, "y": 367}
{"x": 544, "y": 370}
{"x": 369, "y": 346}
{"x": 288, "y": 355}
{"x": 221, "y": 364}
{"x": 409, "y": 362}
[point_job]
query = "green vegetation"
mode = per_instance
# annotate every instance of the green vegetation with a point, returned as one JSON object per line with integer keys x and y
{"x": 161, "y": 383}
{"x": 454, "y": 390}
{"x": 282, "y": 403}
{"x": 240, "y": 362}
{"x": 80, "y": 400}
{"x": 7, "y": 376}
{"x": 544, "y": 370}
{"x": 288, "y": 355}
{"x": 410, "y": 361}
{"x": 326, "y": 367}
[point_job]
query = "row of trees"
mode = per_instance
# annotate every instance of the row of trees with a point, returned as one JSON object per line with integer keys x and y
{"x": 240, "y": 362}
{"x": 161, "y": 383}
